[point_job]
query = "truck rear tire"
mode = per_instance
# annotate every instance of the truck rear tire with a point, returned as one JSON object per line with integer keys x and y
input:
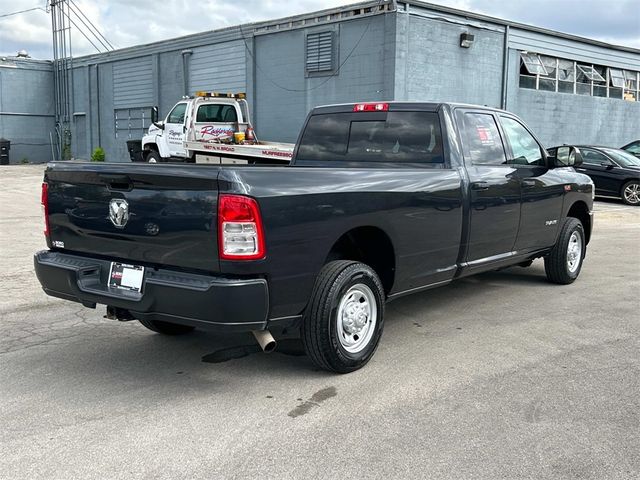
{"x": 344, "y": 319}
{"x": 564, "y": 263}
{"x": 166, "y": 328}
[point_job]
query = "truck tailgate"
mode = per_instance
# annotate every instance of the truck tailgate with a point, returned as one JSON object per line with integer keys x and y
{"x": 151, "y": 214}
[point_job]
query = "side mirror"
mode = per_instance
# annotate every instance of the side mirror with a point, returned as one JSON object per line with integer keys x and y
{"x": 607, "y": 165}
{"x": 568, "y": 157}
{"x": 154, "y": 118}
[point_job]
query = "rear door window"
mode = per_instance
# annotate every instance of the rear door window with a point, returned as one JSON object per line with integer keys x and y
{"x": 592, "y": 157}
{"x": 481, "y": 139}
{"x": 407, "y": 137}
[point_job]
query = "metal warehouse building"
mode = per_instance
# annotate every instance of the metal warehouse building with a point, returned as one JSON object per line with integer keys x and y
{"x": 569, "y": 89}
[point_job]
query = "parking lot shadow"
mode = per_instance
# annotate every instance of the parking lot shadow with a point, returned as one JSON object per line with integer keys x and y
{"x": 127, "y": 352}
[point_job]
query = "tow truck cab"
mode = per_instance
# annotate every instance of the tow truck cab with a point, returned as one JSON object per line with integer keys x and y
{"x": 206, "y": 117}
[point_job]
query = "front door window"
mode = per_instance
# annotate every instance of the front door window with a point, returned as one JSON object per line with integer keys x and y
{"x": 524, "y": 148}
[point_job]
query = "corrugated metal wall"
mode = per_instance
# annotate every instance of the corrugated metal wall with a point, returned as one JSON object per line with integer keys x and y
{"x": 220, "y": 67}
{"x": 133, "y": 83}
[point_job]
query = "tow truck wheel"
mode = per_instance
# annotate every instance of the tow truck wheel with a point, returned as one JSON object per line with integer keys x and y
{"x": 564, "y": 263}
{"x": 344, "y": 319}
{"x": 153, "y": 157}
{"x": 166, "y": 328}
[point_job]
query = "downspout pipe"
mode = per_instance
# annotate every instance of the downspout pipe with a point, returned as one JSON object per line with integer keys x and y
{"x": 186, "y": 54}
{"x": 505, "y": 68}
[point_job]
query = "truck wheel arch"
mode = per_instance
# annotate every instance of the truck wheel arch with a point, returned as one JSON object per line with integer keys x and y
{"x": 580, "y": 210}
{"x": 371, "y": 246}
{"x": 149, "y": 147}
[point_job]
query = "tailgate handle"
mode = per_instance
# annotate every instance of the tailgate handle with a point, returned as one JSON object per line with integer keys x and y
{"x": 117, "y": 182}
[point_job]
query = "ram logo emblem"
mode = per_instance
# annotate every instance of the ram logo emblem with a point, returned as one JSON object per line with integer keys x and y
{"x": 118, "y": 212}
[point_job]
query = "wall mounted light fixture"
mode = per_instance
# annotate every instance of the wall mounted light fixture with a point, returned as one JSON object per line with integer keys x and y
{"x": 466, "y": 39}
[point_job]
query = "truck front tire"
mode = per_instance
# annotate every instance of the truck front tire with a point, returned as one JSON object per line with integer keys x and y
{"x": 564, "y": 263}
{"x": 153, "y": 157}
{"x": 344, "y": 319}
{"x": 166, "y": 328}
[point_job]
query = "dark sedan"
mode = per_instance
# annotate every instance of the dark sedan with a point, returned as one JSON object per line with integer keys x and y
{"x": 633, "y": 148}
{"x": 615, "y": 172}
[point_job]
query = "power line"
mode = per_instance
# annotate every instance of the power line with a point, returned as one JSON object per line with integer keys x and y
{"x": 77, "y": 7}
{"x": 22, "y": 11}
{"x": 96, "y": 37}
{"x": 82, "y": 31}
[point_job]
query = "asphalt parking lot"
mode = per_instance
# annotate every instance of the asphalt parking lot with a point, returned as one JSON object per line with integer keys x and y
{"x": 497, "y": 376}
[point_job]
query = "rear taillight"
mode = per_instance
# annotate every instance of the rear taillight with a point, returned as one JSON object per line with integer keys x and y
{"x": 240, "y": 232}
{"x": 44, "y": 201}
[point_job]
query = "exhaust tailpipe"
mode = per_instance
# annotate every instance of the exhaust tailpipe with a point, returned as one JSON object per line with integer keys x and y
{"x": 265, "y": 339}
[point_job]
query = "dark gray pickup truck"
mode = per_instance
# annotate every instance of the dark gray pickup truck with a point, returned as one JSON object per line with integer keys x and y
{"x": 380, "y": 200}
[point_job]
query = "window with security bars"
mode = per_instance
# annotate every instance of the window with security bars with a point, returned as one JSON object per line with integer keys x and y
{"x": 541, "y": 72}
{"x": 320, "y": 53}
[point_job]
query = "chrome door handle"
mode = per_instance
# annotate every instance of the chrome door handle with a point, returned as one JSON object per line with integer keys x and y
{"x": 528, "y": 183}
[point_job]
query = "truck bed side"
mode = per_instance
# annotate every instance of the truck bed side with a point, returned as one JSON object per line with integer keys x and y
{"x": 307, "y": 212}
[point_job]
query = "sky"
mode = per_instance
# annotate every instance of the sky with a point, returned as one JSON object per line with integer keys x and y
{"x": 131, "y": 22}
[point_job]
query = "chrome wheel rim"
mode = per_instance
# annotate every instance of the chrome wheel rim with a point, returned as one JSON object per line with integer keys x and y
{"x": 574, "y": 252}
{"x": 356, "y": 319}
{"x": 632, "y": 193}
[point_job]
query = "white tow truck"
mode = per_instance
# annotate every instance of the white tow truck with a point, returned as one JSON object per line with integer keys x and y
{"x": 210, "y": 128}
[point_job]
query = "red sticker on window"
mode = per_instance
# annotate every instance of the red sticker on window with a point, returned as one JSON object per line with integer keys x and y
{"x": 484, "y": 134}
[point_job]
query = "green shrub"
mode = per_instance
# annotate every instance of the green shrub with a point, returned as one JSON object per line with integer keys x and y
{"x": 66, "y": 152}
{"x": 98, "y": 155}
{"x": 24, "y": 160}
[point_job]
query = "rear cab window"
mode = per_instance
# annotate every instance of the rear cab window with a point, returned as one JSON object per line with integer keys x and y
{"x": 383, "y": 137}
{"x": 216, "y": 113}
